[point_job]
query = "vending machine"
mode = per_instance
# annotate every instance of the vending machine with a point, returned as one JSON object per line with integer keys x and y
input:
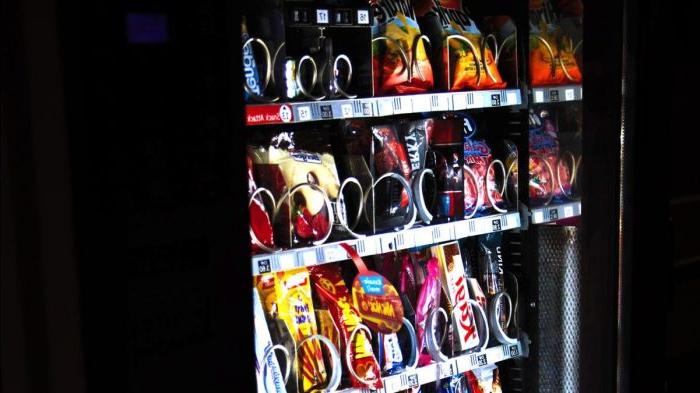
{"x": 426, "y": 205}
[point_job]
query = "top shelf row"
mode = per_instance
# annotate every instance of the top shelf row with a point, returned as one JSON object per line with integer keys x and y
{"x": 299, "y": 112}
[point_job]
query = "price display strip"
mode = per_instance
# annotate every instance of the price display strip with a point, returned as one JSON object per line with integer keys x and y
{"x": 553, "y": 213}
{"x": 437, "y": 371}
{"x": 386, "y": 242}
{"x": 549, "y": 94}
{"x": 299, "y": 112}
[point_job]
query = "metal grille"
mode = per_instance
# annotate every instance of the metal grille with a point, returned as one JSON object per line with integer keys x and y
{"x": 558, "y": 321}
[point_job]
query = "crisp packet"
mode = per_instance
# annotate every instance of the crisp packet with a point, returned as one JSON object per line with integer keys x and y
{"x": 478, "y": 160}
{"x": 400, "y": 63}
{"x": 331, "y": 289}
{"x": 552, "y": 57}
{"x": 295, "y": 307}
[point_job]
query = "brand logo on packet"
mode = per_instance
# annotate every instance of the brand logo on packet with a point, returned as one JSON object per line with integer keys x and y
{"x": 311, "y": 158}
{"x": 250, "y": 69}
{"x": 384, "y": 10}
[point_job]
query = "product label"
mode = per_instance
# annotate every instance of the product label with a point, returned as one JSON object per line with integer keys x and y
{"x": 455, "y": 285}
{"x": 385, "y": 10}
{"x": 372, "y": 285}
{"x": 307, "y": 157}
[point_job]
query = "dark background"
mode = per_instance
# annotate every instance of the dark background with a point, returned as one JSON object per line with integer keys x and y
{"x": 124, "y": 249}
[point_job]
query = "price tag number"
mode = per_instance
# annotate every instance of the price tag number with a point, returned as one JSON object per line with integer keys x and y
{"x": 322, "y": 16}
{"x": 362, "y": 17}
{"x": 304, "y": 113}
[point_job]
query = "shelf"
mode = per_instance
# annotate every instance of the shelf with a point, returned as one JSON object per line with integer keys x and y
{"x": 298, "y": 112}
{"x": 552, "y": 213}
{"x": 455, "y": 366}
{"x": 383, "y": 243}
{"x": 549, "y": 94}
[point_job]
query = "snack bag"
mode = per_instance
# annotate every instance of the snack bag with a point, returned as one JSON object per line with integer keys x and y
{"x": 261, "y": 233}
{"x": 491, "y": 269}
{"x": 267, "y": 370}
{"x": 306, "y": 182}
{"x": 295, "y": 307}
{"x": 331, "y": 289}
{"x": 416, "y": 137}
{"x": 552, "y": 57}
{"x": 549, "y": 176}
{"x": 399, "y": 60}
{"x": 478, "y": 158}
{"x": 428, "y": 299}
{"x": 467, "y": 60}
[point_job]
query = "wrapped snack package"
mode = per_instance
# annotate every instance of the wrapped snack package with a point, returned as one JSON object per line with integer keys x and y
{"x": 399, "y": 59}
{"x": 261, "y": 233}
{"x": 491, "y": 269}
{"x": 295, "y": 307}
{"x": 467, "y": 60}
{"x": 552, "y": 57}
{"x": 267, "y": 370}
{"x": 416, "y": 137}
{"x": 331, "y": 289}
{"x": 304, "y": 184}
{"x": 549, "y": 176}
{"x": 455, "y": 285}
{"x": 428, "y": 300}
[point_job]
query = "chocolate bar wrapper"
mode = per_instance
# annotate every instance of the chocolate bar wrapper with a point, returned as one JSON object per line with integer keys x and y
{"x": 454, "y": 283}
{"x": 295, "y": 307}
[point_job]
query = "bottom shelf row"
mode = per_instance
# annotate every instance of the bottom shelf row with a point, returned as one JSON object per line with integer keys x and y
{"x": 451, "y": 368}
{"x": 445, "y": 313}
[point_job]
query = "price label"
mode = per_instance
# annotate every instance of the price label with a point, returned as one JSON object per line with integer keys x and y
{"x": 463, "y": 364}
{"x": 286, "y": 113}
{"x": 264, "y": 266}
{"x": 322, "y": 17}
{"x": 287, "y": 261}
{"x": 334, "y": 253}
{"x": 511, "y": 98}
{"x": 366, "y": 246}
{"x": 408, "y": 381}
{"x": 362, "y": 17}
{"x": 569, "y": 94}
{"x": 514, "y": 352}
{"x": 459, "y": 101}
{"x": 388, "y": 242}
{"x": 304, "y": 113}
{"x": 423, "y": 236}
{"x": 553, "y": 214}
{"x": 539, "y": 96}
{"x": 421, "y": 103}
{"x": 308, "y": 258}
{"x": 461, "y": 229}
{"x": 346, "y": 110}
{"x": 448, "y": 369}
{"x": 479, "y": 360}
{"x": 441, "y": 233}
{"x": 385, "y": 107}
{"x": 496, "y": 225}
{"x": 402, "y": 105}
{"x": 439, "y": 102}
{"x": 568, "y": 211}
{"x": 538, "y": 217}
{"x": 479, "y": 100}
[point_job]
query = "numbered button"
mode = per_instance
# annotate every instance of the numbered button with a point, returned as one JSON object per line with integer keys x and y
{"x": 322, "y": 17}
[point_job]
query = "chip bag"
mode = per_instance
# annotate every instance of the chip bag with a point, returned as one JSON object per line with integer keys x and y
{"x": 552, "y": 57}
{"x": 261, "y": 233}
{"x": 399, "y": 60}
{"x": 467, "y": 60}
{"x": 331, "y": 289}
{"x": 550, "y": 177}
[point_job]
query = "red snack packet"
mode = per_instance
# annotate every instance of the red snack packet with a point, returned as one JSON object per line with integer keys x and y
{"x": 331, "y": 289}
{"x": 261, "y": 234}
{"x": 428, "y": 299}
{"x": 390, "y": 156}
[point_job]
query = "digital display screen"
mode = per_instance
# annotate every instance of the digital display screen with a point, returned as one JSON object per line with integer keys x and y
{"x": 146, "y": 28}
